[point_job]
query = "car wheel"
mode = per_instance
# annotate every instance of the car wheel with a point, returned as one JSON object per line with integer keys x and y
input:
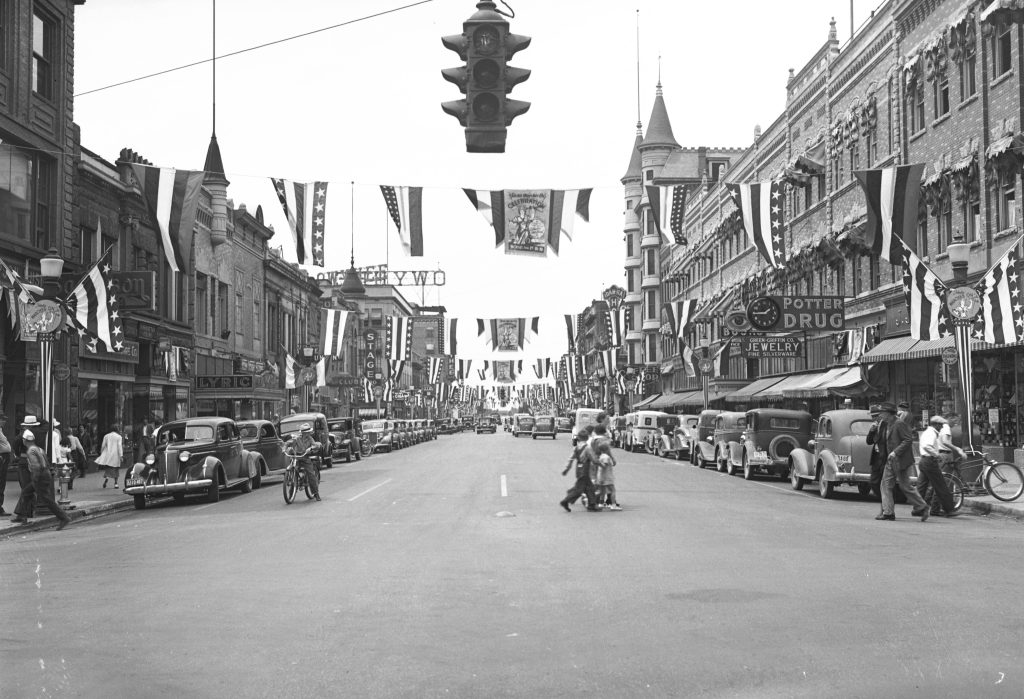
{"x": 348, "y": 456}
{"x": 795, "y": 480}
{"x": 748, "y": 472}
{"x": 140, "y": 502}
{"x": 257, "y": 482}
{"x": 246, "y": 487}
{"x": 730, "y": 467}
{"x": 719, "y": 463}
{"x": 825, "y": 488}
{"x": 213, "y": 492}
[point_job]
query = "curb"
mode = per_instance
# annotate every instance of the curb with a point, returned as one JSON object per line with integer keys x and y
{"x": 76, "y": 516}
{"x": 991, "y": 508}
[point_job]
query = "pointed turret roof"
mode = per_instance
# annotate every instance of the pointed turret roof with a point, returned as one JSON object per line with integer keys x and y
{"x": 634, "y": 172}
{"x": 214, "y": 166}
{"x": 659, "y": 128}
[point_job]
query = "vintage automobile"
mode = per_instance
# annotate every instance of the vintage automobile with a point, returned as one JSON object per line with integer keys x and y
{"x": 201, "y": 455}
{"x": 430, "y": 429}
{"x": 381, "y": 434}
{"x": 522, "y": 423}
{"x": 289, "y": 427}
{"x": 467, "y": 424}
{"x": 687, "y": 432}
{"x": 623, "y": 431}
{"x": 585, "y": 417}
{"x": 670, "y": 440}
{"x": 702, "y": 452}
{"x": 839, "y": 454}
{"x": 643, "y": 429}
{"x": 260, "y": 437}
{"x": 544, "y": 426}
{"x": 445, "y": 426}
{"x": 729, "y": 426}
{"x": 346, "y": 438}
{"x": 563, "y": 424}
{"x": 771, "y": 435}
{"x": 486, "y": 424}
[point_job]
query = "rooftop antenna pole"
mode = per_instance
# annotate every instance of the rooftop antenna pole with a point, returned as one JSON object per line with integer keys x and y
{"x": 214, "y": 64}
{"x": 851, "y": 19}
{"x": 352, "y": 223}
{"x": 639, "y": 124}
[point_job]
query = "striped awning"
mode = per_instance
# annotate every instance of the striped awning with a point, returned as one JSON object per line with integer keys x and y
{"x": 889, "y": 350}
{"x": 837, "y": 379}
{"x": 646, "y": 401}
{"x": 789, "y": 383}
{"x": 744, "y": 394}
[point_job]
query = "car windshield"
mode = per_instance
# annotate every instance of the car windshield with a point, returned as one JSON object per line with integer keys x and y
{"x": 692, "y": 421}
{"x": 584, "y": 419}
{"x": 784, "y": 423}
{"x": 248, "y": 431}
{"x": 184, "y": 433}
{"x": 545, "y": 422}
{"x": 668, "y": 422}
{"x": 373, "y": 425}
{"x": 343, "y": 426}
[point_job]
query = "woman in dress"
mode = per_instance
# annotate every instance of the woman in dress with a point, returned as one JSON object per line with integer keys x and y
{"x": 111, "y": 454}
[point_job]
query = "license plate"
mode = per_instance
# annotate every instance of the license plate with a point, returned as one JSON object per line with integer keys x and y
{"x": 842, "y": 458}
{"x": 760, "y": 456}
{"x": 132, "y": 482}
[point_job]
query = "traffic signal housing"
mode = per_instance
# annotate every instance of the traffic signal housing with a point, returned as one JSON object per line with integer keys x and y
{"x": 486, "y": 46}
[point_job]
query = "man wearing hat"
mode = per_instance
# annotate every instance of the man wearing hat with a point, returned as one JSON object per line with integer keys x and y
{"x": 900, "y": 441}
{"x": 5, "y": 460}
{"x": 879, "y": 448}
{"x": 300, "y": 443}
{"x": 928, "y": 468}
{"x": 40, "y": 487}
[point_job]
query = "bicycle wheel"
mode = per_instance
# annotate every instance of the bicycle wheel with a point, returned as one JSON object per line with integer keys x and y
{"x": 956, "y": 489}
{"x": 1004, "y": 481}
{"x": 289, "y": 486}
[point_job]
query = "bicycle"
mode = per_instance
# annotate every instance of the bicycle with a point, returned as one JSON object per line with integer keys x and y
{"x": 295, "y": 477}
{"x": 979, "y": 474}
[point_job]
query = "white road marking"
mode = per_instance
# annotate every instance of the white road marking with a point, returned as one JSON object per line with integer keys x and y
{"x": 504, "y": 486}
{"x": 369, "y": 490}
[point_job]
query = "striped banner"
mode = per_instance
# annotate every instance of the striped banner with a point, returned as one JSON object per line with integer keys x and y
{"x": 962, "y": 338}
{"x": 892, "y": 196}
{"x": 332, "y": 325}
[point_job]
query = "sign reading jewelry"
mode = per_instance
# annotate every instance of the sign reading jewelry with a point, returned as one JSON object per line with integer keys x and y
{"x": 788, "y": 313}
{"x": 771, "y": 347}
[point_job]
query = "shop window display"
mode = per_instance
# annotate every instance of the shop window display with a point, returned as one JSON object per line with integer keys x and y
{"x": 996, "y": 377}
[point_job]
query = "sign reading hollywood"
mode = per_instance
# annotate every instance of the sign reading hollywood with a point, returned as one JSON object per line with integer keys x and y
{"x": 771, "y": 347}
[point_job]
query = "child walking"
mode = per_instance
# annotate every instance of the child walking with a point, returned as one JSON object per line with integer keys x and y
{"x": 581, "y": 457}
{"x": 604, "y": 480}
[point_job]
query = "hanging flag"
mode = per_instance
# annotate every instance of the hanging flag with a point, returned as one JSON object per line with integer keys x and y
{"x": 925, "y": 294}
{"x": 1001, "y": 320}
{"x": 305, "y": 207}
{"x": 399, "y": 336}
{"x": 507, "y": 334}
{"x": 388, "y": 393}
{"x": 760, "y": 206}
{"x": 395, "y": 369}
{"x": 291, "y": 368}
{"x": 688, "y": 358}
{"x": 449, "y": 338}
{"x": 94, "y": 304}
{"x": 529, "y": 221}
{"x": 892, "y": 196}
{"x": 321, "y": 372}
{"x": 464, "y": 367}
{"x": 608, "y": 361}
{"x": 332, "y": 325}
{"x": 720, "y": 362}
{"x": 620, "y": 379}
{"x": 618, "y": 321}
{"x": 571, "y": 321}
{"x": 542, "y": 368}
{"x": 840, "y": 344}
{"x": 172, "y": 198}
{"x": 668, "y": 207}
{"x": 405, "y": 204}
{"x": 871, "y": 338}
{"x": 482, "y": 372}
{"x": 367, "y": 390}
{"x": 679, "y": 316}
{"x": 434, "y": 366}
{"x": 17, "y": 291}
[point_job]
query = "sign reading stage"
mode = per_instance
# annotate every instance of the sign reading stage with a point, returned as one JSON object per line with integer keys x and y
{"x": 788, "y": 313}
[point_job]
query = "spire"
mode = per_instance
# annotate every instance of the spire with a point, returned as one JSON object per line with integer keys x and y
{"x": 634, "y": 172}
{"x": 214, "y": 166}
{"x": 659, "y": 129}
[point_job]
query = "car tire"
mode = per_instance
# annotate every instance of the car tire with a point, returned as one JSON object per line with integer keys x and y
{"x": 257, "y": 482}
{"x": 348, "y": 456}
{"x": 719, "y": 464}
{"x": 140, "y": 502}
{"x": 730, "y": 466}
{"x": 825, "y": 488}
{"x": 213, "y": 492}
{"x": 748, "y": 473}
{"x": 782, "y": 441}
{"x": 795, "y": 480}
{"x": 246, "y": 486}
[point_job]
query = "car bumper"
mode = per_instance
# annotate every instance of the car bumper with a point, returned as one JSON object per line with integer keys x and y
{"x": 169, "y": 488}
{"x": 851, "y": 477}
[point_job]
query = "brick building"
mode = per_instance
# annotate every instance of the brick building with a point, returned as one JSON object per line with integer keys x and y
{"x": 922, "y": 81}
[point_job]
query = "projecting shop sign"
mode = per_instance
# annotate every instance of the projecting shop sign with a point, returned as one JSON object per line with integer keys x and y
{"x": 789, "y": 313}
{"x": 770, "y": 347}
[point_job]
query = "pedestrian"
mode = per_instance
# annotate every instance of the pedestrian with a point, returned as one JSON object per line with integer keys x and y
{"x": 930, "y": 483}
{"x": 40, "y": 487}
{"x": 19, "y": 451}
{"x": 583, "y": 486}
{"x": 900, "y": 440}
{"x": 600, "y": 446}
{"x": 78, "y": 457}
{"x": 60, "y": 449}
{"x": 147, "y": 444}
{"x": 879, "y": 449}
{"x": 85, "y": 439}
{"x": 111, "y": 454}
{"x": 5, "y": 460}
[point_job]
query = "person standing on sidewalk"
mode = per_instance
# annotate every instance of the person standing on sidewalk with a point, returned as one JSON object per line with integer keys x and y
{"x": 5, "y": 461}
{"x": 900, "y": 440}
{"x": 41, "y": 486}
{"x": 879, "y": 449}
{"x": 111, "y": 454}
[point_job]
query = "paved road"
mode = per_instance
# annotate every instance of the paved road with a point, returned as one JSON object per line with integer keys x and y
{"x": 448, "y": 569}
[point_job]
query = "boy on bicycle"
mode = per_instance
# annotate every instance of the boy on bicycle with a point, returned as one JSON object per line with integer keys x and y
{"x": 300, "y": 444}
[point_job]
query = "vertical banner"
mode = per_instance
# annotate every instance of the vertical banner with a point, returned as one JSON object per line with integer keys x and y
{"x": 962, "y": 337}
{"x": 46, "y": 371}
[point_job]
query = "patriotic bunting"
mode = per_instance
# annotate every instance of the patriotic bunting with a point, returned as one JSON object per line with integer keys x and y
{"x": 434, "y": 366}
{"x": 399, "y": 337}
{"x": 332, "y": 325}
{"x": 528, "y": 222}
{"x": 679, "y": 316}
{"x": 926, "y": 295}
{"x": 892, "y": 196}
{"x": 95, "y": 311}
{"x": 290, "y": 370}
{"x": 405, "y": 204}
{"x": 689, "y": 359}
{"x": 367, "y": 390}
{"x": 449, "y": 339}
{"x": 608, "y": 358}
{"x": 1001, "y": 319}
{"x": 620, "y": 380}
{"x": 618, "y": 321}
{"x": 668, "y": 207}
{"x": 305, "y": 207}
{"x": 321, "y": 372}
{"x": 720, "y": 362}
{"x": 172, "y": 197}
{"x": 760, "y": 207}
{"x": 571, "y": 322}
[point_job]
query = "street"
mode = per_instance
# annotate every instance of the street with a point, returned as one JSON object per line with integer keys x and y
{"x": 448, "y": 569}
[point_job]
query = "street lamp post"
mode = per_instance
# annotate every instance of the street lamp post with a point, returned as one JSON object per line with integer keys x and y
{"x": 51, "y": 266}
{"x": 964, "y": 304}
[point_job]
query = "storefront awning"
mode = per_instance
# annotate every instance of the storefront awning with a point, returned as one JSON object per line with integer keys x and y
{"x": 775, "y": 392}
{"x": 744, "y": 394}
{"x": 646, "y": 401}
{"x": 688, "y": 398}
{"x": 661, "y": 402}
{"x": 1002, "y": 12}
{"x": 838, "y": 380}
{"x": 889, "y": 350}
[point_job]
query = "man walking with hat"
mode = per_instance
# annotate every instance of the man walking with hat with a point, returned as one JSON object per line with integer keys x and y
{"x": 41, "y": 485}
{"x": 900, "y": 440}
{"x": 929, "y": 471}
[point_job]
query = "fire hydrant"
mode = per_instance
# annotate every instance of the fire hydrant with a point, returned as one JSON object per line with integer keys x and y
{"x": 64, "y": 481}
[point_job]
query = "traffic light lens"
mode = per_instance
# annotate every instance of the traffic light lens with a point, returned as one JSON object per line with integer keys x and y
{"x": 485, "y": 40}
{"x": 485, "y": 107}
{"x": 485, "y": 73}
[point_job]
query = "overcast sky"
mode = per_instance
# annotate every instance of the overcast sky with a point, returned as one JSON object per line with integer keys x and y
{"x": 361, "y": 103}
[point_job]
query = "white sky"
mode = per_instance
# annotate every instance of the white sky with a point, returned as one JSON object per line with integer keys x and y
{"x": 361, "y": 103}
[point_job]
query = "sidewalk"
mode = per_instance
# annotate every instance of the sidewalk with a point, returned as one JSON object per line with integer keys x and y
{"x": 88, "y": 498}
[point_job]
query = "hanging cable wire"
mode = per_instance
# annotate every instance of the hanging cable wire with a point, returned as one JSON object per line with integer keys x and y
{"x": 254, "y": 48}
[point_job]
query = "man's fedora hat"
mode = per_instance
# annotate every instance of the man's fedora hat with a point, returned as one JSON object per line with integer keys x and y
{"x": 31, "y": 421}
{"x": 887, "y": 407}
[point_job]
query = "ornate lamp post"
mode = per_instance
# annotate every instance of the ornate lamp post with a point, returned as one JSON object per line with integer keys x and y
{"x": 50, "y": 317}
{"x": 964, "y": 304}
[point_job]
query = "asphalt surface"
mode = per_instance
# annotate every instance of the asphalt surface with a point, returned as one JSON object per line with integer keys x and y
{"x": 448, "y": 569}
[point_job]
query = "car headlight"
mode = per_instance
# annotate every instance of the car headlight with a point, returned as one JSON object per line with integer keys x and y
{"x": 184, "y": 456}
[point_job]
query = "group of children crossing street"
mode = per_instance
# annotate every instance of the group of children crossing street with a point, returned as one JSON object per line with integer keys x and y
{"x": 595, "y": 469}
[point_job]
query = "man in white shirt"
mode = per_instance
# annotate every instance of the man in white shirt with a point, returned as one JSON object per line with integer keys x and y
{"x": 929, "y": 471}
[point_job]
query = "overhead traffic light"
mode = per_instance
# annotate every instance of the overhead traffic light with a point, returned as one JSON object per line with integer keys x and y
{"x": 486, "y": 45}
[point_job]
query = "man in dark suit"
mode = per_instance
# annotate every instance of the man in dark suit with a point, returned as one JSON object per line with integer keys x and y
{"x": 879, "y": 449}
{"x": 900, "y": 440}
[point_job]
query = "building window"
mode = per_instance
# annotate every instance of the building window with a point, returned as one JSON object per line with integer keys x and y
{"x": 858, "y": 280}
{"x": 649, "y": 175}
{"x": 630, "y": 284}
{"x": 239, "y": 315}
{"x": 1006, "y": 211}
{"x": 1002, "y": 54}
{"x": 223, "y": 295}
{"x": 202, "y": 314}
{"x": 944, "y": 221}
{"x": 44, "y": 199}
{"x": 86, "y": 245}
{"x": 854, "y": 158}
{"x": 874, "y": 272}
{"x": 870, "y": 148}
{"x": 652, "y": 268}
{"x": 629, "y": 245}
{"x": 917, "y": 107}
{"x": 968, "y": 83}
{"x": 717, "y": 169}
{"x": 889, "y": 123}
{"x": 837, "y": 171}
{"x": 922, "y": 236}
{"x": 43, "y": 53}
{"x": 972, "y": 220}
{"x": 651, "y": 310}
{"x": 941, "y": 96}
{"x": 652, "y": 348}
{"x": 257, "y": 312}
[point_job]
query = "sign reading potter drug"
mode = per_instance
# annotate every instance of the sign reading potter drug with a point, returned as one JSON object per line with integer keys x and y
{"x": 789, "y": 313}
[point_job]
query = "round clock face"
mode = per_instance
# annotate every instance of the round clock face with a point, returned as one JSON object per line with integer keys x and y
{"x": 44, "y": 316}
{"x": 963, "y": 303}
{"x": 763, "y": 313}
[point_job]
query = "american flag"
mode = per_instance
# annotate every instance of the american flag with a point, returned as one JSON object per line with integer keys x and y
{"x": 321, "y": 372}
{"x": 720, "y": 362}
{"x": 668, "y": 205}
{"x": 95, "y": 307}
{"x": 305, "y": 206}
{"x": 395, "y": 369}
{"x": 620, "y": 378}
{"x": 172, "y": 197}
{"x": 367, "y": 390}
{"x": 464, "y": 367}
{"x": 926, "y": 298}
{"x": 760, "y": 206}
{"x": 542, "y": 368}
{"x": 332, "y": 325}
{"x": 405, "y": 204}
{"x": 618, "y": 321}
{"x": 688, "y": 358}
{"x": 679, "y": 316}
{"x": 1002, "y": 317}
{"x": 570, "y": 329}
{"x": 399, "y": 337}
{"x": 449, "y": 336}
{"x": 434, "y": 369}
{"x": 608, "y": 361}
{"x": 892, "y": 196}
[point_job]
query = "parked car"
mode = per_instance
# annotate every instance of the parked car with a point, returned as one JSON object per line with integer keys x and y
{"x": 506, "y": 423}
{"x": 667, "y": 441}
{"x": 703, "y": 452}
{"x": 201, "y": 455}
{"x": 729, "y": 427}
{"x": 838, "y": 455}
{"x": 381, "y": 434}
{"x": 769, "y": 438}
{"x": 486, "y": 424}
{"x": 346, "y": 437}
{"x": 430, "y": 428}
{"x": 522, "y": 423}
{"x": 467, "y": 424}
{"x": 563, "y": 424}
{"x": 645, "y": 424}
{"x": 688, "y": 437}
{"x": 445, "y": 426}
{"x": 624, "y": 435}
{"x": 289, "y": 427}
{"x": 584, "y": 417}
{"x": 544, "y": 426}
{"x": 260, "y": 437}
